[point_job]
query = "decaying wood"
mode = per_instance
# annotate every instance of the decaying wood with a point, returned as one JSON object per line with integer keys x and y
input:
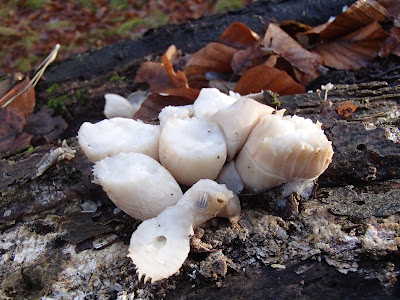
{"x": 281, "y": 248}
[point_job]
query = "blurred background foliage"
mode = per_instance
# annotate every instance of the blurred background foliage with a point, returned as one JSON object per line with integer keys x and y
{"x": 29, "y": 29}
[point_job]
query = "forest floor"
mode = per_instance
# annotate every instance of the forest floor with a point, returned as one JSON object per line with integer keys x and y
{"x": 29, "y": 29}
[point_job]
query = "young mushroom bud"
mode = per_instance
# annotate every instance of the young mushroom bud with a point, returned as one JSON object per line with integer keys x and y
{"x": 175, "y": 112}
{"x": 137, "y": 184}
{"x": 160, "y": 245}
{"x": 192, "y": 149}
{"x": 118, "y": 135}
{"x": 280, "y": 149}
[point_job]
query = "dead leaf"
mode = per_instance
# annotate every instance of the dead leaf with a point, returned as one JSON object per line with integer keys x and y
{"x": 361, "y": 13}
{"x": 213, "y": 57}
{"x": 25, "y": 102}
{"x": 285, "y": 46}
{"x": 42, "y": 123}
{"x": 238, "y": 36}
{"x": 263, "y": 78}
{"x": 355, "y": 50}
{"x": 346, "y": 108}
{"x": 12, "y": 122}
{"x": 178, "y": 79}
{"x": 152, "y": 106}
{"x": 243, "y": 60}
{"x": 392, "y": 44}
{"x": 155, "y": 75}
{"x": 392, "y": 7}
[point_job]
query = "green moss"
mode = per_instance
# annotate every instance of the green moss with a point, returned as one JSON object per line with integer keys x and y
{"x": 116, "y": 78}
{"x": 226, "y": 5}
{"x": 82, "y": 95}
{"x": 35, "y": 4}
{"x": 119, "y": 4}
{"x": 54, "y": 87}
{"x": 129, "y": 25}
{"x": 59, "y": 104}
{"x": 30, "y": 149}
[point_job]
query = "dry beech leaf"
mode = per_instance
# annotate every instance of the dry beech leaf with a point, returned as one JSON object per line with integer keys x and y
{"x": 356, "y": 16}
{"x": 25, "y": 102}
{"x": 346, "y": 108}
{"x": 162, "y": 76}
{"x": 42, "y": 123}
{"x": 282, "y": 44}
{"x": 152, "y": 106}
{"x": 355, "y": 50}
{"x": 293, "y": 27}
{"x": 178, "y": 79}
{"x": 155, "y": 75}
{"x": 263, "y": 78}
{"x": 392, "y": 7}
{"x": 248, "y": 58}
{"x": 392, "y": 44}
{"x": 213, "y": 57}
{"x": 12, "y": 122}
{"x": 238, "y": 36}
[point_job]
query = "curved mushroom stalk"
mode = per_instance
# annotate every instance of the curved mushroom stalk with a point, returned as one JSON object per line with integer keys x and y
{"x": 160, "y": 245}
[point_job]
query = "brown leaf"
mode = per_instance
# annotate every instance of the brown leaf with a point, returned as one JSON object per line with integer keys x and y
{"x": 42, "y": 123}
{"x": 248, "y": 58}
{"x": 25, "y": 102}
{"x": 178, "y": 79}
{"x": 152, "y": 106}
{"x": 155, "y": 75}
{"x": 392, "y": 7}
{"x": 285, "y": 46}
{"x": 213, "y": 57}
{"x": 355, "y": 50}
{"x": 356, "y": 16}
{"x": 238, "y": 36}
{"x": 162, "y": 76}
{"x": 392, "y": 44}
{"x": 263, "y": 78}
{"x": 346, "y": 108}
{"x": 12, "y": 122}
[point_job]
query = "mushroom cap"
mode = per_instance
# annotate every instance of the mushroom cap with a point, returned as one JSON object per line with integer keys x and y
{"x": 118, "y": 106}
{"x": 192, "y": 149}
{"x": 175, "y": 112}
{"x": 118, "y": 135}
{"x": 160, "y": 245}
{"x": 238, "y": 120}
{"x": 209, "y": 101}
{"x": 137, "y": 184}
{"x": 283, "y": 148}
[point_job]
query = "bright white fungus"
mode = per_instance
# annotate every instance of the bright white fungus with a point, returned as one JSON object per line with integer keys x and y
{"x": 209, "y": 101}
{"x": 280, "y": 149}
{"x": 110, "y": 137}
{"x": 192, "y": 149}
{"x": 160, "y": 245}
{"x": 118, "y": 106}
{"x": 137, "y": 184}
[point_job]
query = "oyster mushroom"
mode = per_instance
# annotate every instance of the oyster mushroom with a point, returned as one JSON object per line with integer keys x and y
{"x": 192, "y": 149}
{"x": 137, "y": 184}
{"x": 175, "y": 112}
{"x": 280, "y": 149}
{"x": 160, "y": 245}
{"x": 110, "y": 137}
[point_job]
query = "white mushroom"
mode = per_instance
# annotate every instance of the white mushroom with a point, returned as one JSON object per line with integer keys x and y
{"x": 280, "y": 149}
{"x": 192, "y": 149}
{"x": 137, "y": 184}
{"x": 175, "y": 112}
{"x": 238, "y": 120}
{"x": 159, "y": 246}
{"x": 110, "y": 137}
{"x": 118, "y": 106}
{"x": 209, "y": 101}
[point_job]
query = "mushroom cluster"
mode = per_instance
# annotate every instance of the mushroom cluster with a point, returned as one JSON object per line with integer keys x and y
{"x": 234, "y": 140}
